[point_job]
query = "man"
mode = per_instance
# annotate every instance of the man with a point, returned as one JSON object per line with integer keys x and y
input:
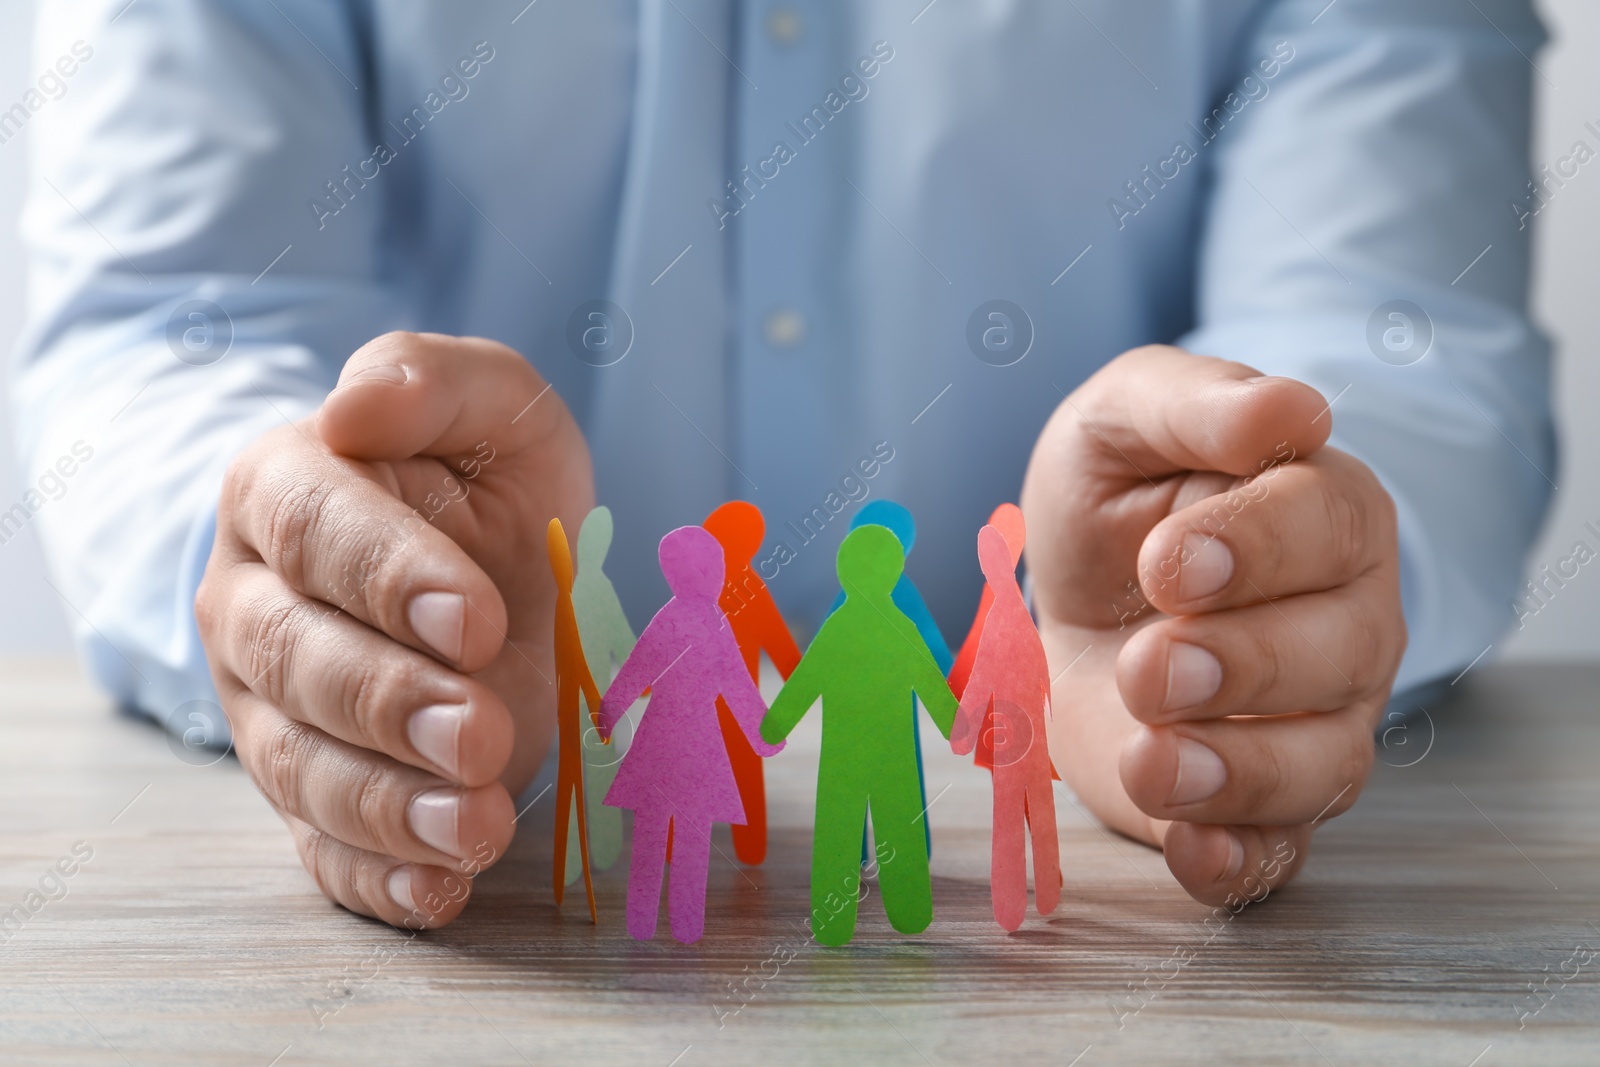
{"x": 801, "y": 254}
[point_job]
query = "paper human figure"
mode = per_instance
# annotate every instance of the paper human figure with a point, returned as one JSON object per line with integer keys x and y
{"x": 1007, "y": 518}
{"x": 572, "y": 675}
{"x": 676, "y": 773}
{"x": 865, "y": 663}
{"x": 757, "y": 627}
{"x": 906, "y": 597}
{"x": 607, "y": 640}
{"x": 1009, "y": 689}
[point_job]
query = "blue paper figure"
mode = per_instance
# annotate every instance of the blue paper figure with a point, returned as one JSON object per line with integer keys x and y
{"x": 905, "y": 596}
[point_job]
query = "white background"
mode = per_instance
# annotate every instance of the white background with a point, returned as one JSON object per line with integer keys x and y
{"x": 1567, "y": 287}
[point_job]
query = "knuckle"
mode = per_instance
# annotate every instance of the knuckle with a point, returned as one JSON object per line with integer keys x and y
{"x": 295, "y": 516}
{"x": 380, "y": 581}
{"x": 270, "y": 627}
{"x": 207, "y": 605}
{"x": 1370, "y": 648}
{"x": 280, "y": 765}
{"x": 367, "y": 691}
{"x": 387, "y": 346}
{"x": 1273, "y": 661}
{"x": 372, "y": 802}
{"x": 312, "y": 844}
{"x": 1346, "y": 518}
{"x": 1268, "y": 778}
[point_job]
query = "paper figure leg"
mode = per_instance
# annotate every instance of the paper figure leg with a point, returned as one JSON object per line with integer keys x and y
{"x": 902, "y": 854}
{"x": 565, "y": 816}
{"x": 835, "y": 872}
{"x": 600, "y": 762}
{"x": 646, "y": 865}
{"x": 922, "y": 788}
{"x": 1040, "y": 805}
{"x": 1008, "y": 860}
{"x": 686, "y": 882}
{"x": 583, "y": 855}
{"x": 749, "y": 840}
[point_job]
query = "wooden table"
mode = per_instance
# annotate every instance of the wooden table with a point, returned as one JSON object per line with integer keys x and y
{"x": 1412, "y": 936}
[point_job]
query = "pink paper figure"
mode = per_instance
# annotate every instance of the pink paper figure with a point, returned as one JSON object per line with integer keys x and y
{"x": 676, "y": 772}
{"x": 1012, "y": 676}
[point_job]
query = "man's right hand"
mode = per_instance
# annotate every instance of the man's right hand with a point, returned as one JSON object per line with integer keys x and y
{"x": 378, "y": 612}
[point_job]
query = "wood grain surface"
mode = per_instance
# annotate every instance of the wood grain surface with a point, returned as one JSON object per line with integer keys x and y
{"x": 1418, "y": 932}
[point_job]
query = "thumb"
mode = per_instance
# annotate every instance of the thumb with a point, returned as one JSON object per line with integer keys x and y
{"x": 408, "y": 394}
{"x": 1161, "y": 410}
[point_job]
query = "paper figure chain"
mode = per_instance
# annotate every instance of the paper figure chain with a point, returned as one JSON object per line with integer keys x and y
{"x": 697, "y": 749}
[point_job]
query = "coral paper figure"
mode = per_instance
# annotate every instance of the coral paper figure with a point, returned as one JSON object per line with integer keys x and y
{"x": 1011, "y": 682}
{"x": 572, "y": 674}
{"x": 676, "y": 772}
{"x": 757, "y": 626}
{"x": 607, "y": 640}
{"x": 864, "y": 663}
{"x": 1007, "y": 518}
{"x": 899, "y": 521}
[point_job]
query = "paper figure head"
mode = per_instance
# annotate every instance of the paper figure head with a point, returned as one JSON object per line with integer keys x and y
{"x": 555, "y": 537}
{"x": 870, "y": 561}
{"x": 738, "y": 524}
{"x": 1007, "y": 518}
{"x": 895, "y": 516}
{"x": 692, "y": 563}
{"x": 594, "y": 538}
{"x": 994, "y": 556}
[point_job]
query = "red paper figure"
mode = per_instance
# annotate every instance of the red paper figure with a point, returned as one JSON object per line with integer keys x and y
{"x": 676, "y": 772}
{"x": 757, "y": 626}
{"x": 1009, "y": 690}
{"x": 572, "y": 674}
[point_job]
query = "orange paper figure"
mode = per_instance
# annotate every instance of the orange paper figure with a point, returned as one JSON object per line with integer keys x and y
{"x": 1009, "y": 690}
{"x": 572, "y": 675}
{"x": 757, "y": 626}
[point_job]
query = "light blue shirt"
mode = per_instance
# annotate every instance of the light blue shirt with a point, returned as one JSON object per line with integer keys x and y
{"x": 804, "y": 213}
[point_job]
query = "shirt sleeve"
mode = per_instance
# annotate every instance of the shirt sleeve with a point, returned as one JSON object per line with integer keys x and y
{"x": 1366, "y": 235}
{"x": 182, "y": 298}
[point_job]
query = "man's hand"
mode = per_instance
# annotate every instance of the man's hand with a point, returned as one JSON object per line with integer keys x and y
{"x": 1233, "y": 588}
{"x": 377, "y": 612}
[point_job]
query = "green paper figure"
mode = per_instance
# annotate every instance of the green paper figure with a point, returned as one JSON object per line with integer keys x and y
{"x": 607, "y": 640}
{"x": 865, "y": 661}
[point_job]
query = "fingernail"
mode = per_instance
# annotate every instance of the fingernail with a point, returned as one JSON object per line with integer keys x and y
{"x": 435, "y": 733}
{"x": 1235, "y": 856}
{"x": 399, "y": 886}
{"x": 382, "y": 373}
{"x": 1193, "y": 676}
{"x": 438, "y": 619}
{"x": 1200, "y": 773}
{"x": 433, "y": 818}
{"x": 1205, "y": 567}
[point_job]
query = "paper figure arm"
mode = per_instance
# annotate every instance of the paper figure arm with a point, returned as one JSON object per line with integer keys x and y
{"x": 591, "y": 692}
{"x": 776, "y": 639}
{"x": 975, "y": 700}
{"x": 742, "y": 695}
{"x": 929, "y": 683}
{"x": 640, "y": 669}
{"x": 961, "y": 671}
{"x": 799, "y": 692}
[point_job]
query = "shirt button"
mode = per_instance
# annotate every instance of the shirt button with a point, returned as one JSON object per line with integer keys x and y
{"x": 783, "y": 25}
{"x": 784, "y": 328}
